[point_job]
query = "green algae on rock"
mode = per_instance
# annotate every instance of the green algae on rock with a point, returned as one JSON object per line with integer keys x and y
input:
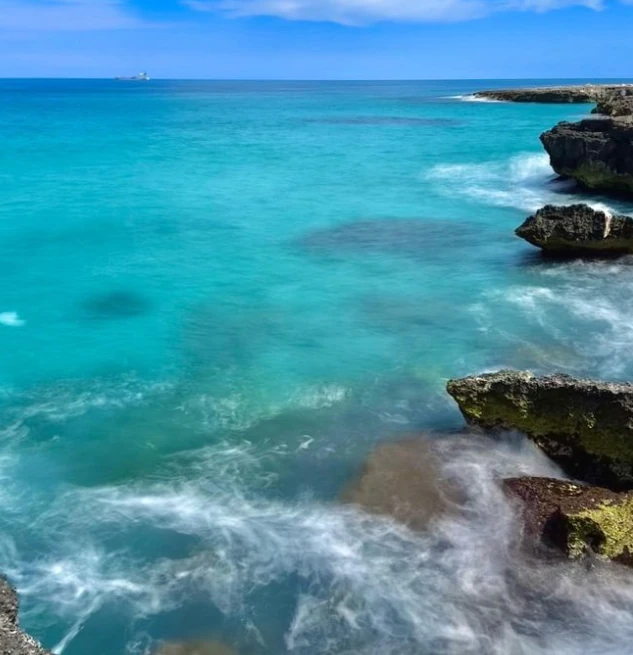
{"x": 577, "y": 520}
{"x": 583, "y": 425}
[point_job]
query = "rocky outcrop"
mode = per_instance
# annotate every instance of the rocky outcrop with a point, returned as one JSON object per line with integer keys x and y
{"x": 577, "y": 520}
{"x": 557, "y": 94}
{"x": 578, "y": 229}
{"x": 596, "y": 152}
{"x": 585, "y": 426}
{"x": 12, "y": 640}
{"x": 615, "y": 105}
{"x": 402, "y": 480}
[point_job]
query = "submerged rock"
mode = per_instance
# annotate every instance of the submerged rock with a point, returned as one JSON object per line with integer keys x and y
{"x": 115, "y": 305}
{"x": 556, "y": 94}
{"x": 402, "y": 480}
{"x": 577, "y": 520}
{"x": 596, "y": 152}
{"x": 578, "y": 229}
{"x": 12, "y": 640}
{"x": 195, "y": 648}
{"x": 583, "y": 425}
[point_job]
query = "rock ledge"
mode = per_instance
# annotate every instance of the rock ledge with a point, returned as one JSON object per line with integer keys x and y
{"x": 578, "y": 229}
{"x": 583, "y": 425}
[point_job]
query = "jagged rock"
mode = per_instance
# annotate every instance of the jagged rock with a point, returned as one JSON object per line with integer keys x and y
{"x": 402, "y": 480}
{"x": 557, "y": 94}
{"x": 596, "y": 152}
{"x": 583, "y": 425}
{"x": 579, "y": 229}
{"x": 12, "y": 640}
{"x": 614, "y": 105}
{"x": 195, "y": 648}
{"x": 575, "y": 519}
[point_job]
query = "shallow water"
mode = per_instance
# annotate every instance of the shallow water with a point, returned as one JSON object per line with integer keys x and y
{"x": 217, "y": 299}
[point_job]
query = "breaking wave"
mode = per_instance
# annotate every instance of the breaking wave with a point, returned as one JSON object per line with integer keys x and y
{"x": 525, "y": 182}
{"x": 352, "y": 583}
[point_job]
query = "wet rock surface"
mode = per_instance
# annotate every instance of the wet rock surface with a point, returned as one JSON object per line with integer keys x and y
{"x": 577, "y": 520}
{"x": 558, "y": 94}
{"x": 578, "y": 229}
{"x": 12, "y": 640}
{"x": 596, "y": 152}
{"x": 403, "y": 480}
{"x": 583, "y": 425}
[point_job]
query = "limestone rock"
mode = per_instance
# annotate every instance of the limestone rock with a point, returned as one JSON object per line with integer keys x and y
{"x": 578, "y": 229}
{"x": 577, "y": 520}
{"x": 558, "y": 94}
{"x": 596, "y": 152}
{"x": 12, "y": 640}
{"x": 583, "y": 425}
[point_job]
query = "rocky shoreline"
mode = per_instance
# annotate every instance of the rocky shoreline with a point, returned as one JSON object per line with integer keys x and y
{"x": 574, "y": 94}
{"x": 584, "y": 426}
{"x": 12, "y": 640}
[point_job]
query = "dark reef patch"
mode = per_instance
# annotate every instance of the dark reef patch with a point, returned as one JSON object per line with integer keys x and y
{"x": 399, "y": 236}
{"x": 115, "y": 305}
{"x": 386, "y": 120}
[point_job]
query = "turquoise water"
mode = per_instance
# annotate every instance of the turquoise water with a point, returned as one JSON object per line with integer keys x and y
{"x": 216, "y": 299}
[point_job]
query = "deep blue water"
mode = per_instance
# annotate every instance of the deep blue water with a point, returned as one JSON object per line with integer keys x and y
{"x": 216, "y": 299}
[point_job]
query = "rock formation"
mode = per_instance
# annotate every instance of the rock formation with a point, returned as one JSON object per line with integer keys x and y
{"x": 583, "y": 425}
{"x": 575, "y": 519}
{"x": 12, "y": 640}
{"x": 596, "y": 152}
{"x": 402, "y": 480}
{"x": 614, "y": 105}
{"x": 578, "y": 229}
{"x": 557, "y": 94}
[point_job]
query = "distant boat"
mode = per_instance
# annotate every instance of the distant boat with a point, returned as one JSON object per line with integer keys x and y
{"x": 141, "y": 77}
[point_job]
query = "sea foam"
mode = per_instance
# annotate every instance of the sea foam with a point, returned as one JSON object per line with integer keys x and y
{"x": 361, "y": 583}
{"x": 11, "y": 319}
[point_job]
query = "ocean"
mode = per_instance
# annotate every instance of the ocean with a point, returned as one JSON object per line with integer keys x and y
{"x": 217, "y": 298}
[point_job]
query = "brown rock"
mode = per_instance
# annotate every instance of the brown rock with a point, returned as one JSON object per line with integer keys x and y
{"x": 577, "y": 520}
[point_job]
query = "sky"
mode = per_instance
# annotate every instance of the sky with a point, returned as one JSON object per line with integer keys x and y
{"x": 317, "y": 39}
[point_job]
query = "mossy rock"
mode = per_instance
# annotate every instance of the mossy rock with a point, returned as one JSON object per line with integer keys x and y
{"x": 583, "y": 425}
{"x": 577, "y": 520}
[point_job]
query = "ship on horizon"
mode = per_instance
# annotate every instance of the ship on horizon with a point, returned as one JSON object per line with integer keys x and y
{"x": 141, "y": 77}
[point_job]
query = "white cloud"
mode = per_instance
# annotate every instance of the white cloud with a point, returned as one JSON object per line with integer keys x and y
{"x": 65, "y": 15}
{"x": 357, "y": 12}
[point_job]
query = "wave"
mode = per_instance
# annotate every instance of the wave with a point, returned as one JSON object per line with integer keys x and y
{"x": 351, "y": 582}
{"x": 473, "y": 98}
{"x": 525, "y": 181}
{"x": 11, "y": 319}
{"x": 576, "y": 305}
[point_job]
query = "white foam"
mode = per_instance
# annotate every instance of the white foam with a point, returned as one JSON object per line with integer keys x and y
{"x": 525, "y": 181}
{"x": 579, "y": 306}
{"x": 11, "y": 319}
{"x": 370, "y": 586}
{"x": 474, "y": 98}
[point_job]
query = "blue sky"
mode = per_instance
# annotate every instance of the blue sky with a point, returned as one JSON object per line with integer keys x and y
{"x": 317, "y": 39}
